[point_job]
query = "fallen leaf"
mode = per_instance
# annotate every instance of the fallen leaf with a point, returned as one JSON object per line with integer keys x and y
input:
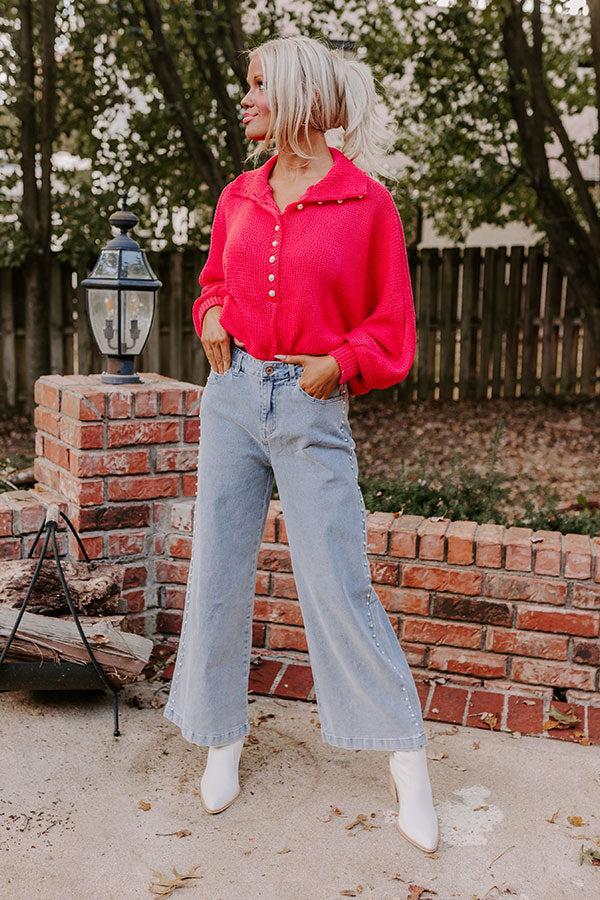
{"x": 589, "y": 855}
{"x": 143, "y": 804}
{"x": 576, "y": 821}
{"x": 352, "y": 892}
{"x": 183, "y": 832}
{"x": 475, "y": 745}
{"x": 489, "y": 719}
{"x": 164, "y": 887}
{"x": 567, "y": 718}
{"x": 416, "y": 891}
{"x": 435, "y": 756}
{"x": 552, "y": 818}
{"x": 363, "y": 821}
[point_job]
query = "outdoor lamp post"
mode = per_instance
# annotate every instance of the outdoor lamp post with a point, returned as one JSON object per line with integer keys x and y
{"x": 120, "y": 300}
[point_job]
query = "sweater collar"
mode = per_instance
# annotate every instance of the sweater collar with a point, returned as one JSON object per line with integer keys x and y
{"x": 344, "y": 179}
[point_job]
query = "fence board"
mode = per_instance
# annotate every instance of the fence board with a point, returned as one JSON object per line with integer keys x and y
{"x": 491, "y": 323}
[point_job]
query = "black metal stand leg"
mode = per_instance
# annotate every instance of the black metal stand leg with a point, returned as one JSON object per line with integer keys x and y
{"x": 51, "y": 524}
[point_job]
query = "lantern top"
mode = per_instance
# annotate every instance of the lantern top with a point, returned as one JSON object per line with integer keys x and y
{"x": 122, "y": 263}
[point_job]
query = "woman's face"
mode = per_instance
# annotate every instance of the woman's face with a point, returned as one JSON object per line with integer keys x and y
{"x": 256, "y": 109}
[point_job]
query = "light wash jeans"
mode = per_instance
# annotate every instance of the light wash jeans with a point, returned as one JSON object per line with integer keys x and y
{"x": 256, "y": 421}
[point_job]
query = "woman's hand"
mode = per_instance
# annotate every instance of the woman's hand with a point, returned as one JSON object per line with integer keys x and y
{"x": 321, "y": 373}
{"x": 216, "y": 341}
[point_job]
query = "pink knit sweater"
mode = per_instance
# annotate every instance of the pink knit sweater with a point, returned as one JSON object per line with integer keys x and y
{"x": 328, "y": 275}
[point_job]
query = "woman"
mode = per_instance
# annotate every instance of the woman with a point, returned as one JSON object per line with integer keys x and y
{"x": 307, "y": 273}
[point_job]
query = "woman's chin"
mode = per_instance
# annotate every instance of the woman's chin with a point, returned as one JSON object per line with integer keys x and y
{"x": 254, "y": 134}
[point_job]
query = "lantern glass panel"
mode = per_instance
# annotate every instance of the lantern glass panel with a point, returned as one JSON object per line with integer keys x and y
{"x": 137, "y": 308}
{"x": 102, "y": 306}
{"x": 107, "y": 265}
{"x": 133, "y": 265}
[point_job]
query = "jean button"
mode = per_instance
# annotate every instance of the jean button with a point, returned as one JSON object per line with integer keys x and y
{"x": 269, "y": 369}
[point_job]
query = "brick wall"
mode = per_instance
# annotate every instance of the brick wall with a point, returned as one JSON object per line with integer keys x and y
{"x": 500, "y": 625}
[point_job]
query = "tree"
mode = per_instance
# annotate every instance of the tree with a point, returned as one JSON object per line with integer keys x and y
{"x": 484, "y": 116}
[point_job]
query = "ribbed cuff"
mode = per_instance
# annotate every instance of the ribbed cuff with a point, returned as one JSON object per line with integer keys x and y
{"x": 200, "y": 307}
{"x": 347, "y": 359}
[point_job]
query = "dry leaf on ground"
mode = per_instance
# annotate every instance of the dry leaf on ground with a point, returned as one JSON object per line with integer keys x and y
{"x": 164, "y": 887}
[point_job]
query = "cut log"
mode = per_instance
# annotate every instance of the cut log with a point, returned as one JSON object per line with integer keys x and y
{"x": 121, "y": 654}
{"x": 95, "y": 587}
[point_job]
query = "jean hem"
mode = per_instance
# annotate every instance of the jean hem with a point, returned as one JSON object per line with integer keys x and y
{"x": 367, "y": 743}
{"x": 206, "y": 740}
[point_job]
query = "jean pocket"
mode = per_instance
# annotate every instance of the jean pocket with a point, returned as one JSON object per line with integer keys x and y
{"x": 336, "y": 396}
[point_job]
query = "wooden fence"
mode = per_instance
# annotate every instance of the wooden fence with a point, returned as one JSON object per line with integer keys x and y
{"x": 494, "y": 322}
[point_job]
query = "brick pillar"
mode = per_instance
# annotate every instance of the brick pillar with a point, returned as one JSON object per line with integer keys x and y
{"x": 120, "y": 456}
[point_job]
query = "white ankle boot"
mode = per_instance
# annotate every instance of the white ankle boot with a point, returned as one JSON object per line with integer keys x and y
{"x": 409, "y": 783}
{"x": 220, "y": 782}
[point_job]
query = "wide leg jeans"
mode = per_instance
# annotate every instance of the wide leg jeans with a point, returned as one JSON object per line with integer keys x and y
{"x": 256, "y": 422}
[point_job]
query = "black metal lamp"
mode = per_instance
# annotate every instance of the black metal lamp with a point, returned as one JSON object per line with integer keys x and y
{"x": 121, "y": 291}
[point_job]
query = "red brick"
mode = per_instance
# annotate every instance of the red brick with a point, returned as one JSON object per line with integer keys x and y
{"x": 460, "y": 538}
{"x": 431, "y": 534}
{"x": 46, "y": 420}
{"x": 171, "y": 571}
{"x": 47, "y": 394}
{"x": 99, "y": 518}
{"x": 428, "y": 631}
{"x": 448, "y": 704}
{"x": 586, "y": 596}
{"x": 416, "y": 654}
{"x": 488, "y": 545}
{"x": 85, "y": 407}
{"x": 163, "y": 431}
{"x": 83, "y": 492}
{"x": 94, "y": 546}
{"x": 284, "y": 585}
{"x": 423, "y": 690}
{"x": 126, "y": 543}
{"x": 482, "y": 703}
{"x": 547, "y": 548}
{"x": 174, "y": 597}
{"x": 558, "y": 621}
{"x": 384, "y": 573}
{"x": 191, "y": 431}
{"x": 86, "y": 464}
{"x": 119, "y": 405}
{"x": 142, "y": 487}
{"x": 274, "y": 559}
{"x": 6, "y": 518}
{"x": 171, "y": 402}
{"x": 578, "y": 556}
{"x": 263, "y": 675}
{"x": 517, "y": 543}
{"x": 296, "y": 682}
{"x": 135, "y": 600}
{"x": 522, "y": 643}
{"x": 180, "y": 546}
{"x": 525, "y": 715}
{"x": 191, "y": 401}
{"x": 468, "y": 662}
{"x": 404, "y": 600}
{"x": 378, "y": 528}
{"x": 259, "y": 634}
{"x": 471, "y": 610}
{"x": 282, "y": 637}
{"x": 555, "y": 674}
{"x": 501, "y": 586}
{"x": 593, "y": 713}
{"x": 176, "y": 459}
{"x": 284, "y": 612}
{"x": 436, "y": 578}
{"x": 189, "y": 485}
{"x": 135, "y": 576}
{"x": 81, "y": 435}
{"x": 403, "y": 536}
{"x": 10, "y": 548}
{"x": 169, "y": 621}
{"x": 145, "y": 403}
{"x": 586, "y": 652}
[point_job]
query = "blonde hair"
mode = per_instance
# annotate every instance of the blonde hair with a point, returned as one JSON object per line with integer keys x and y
{"x": 311, "y": 85}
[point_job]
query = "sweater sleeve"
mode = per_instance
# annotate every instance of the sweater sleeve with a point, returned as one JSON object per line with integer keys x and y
{"x": 212, "y": 278}
{"x": 380, "y": 351}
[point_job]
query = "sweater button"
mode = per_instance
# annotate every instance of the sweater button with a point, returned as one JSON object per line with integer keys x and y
{"x": 277, "y": 228}
{"x": 274, "y": 243}
{"x": 340, "y": 201}
{"x": 300, "y": 206}
{"x": 320, "y": 202}
{"x": 271, "y": 293}
{"x": 271, "y": 259}
{"x": 271, "y": 278}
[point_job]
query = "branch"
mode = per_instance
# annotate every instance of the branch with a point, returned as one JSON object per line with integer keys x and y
{"x": 594, "y": 8}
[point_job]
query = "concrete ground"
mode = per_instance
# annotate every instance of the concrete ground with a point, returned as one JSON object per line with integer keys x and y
{"x": 312, "y": 821}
